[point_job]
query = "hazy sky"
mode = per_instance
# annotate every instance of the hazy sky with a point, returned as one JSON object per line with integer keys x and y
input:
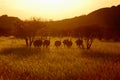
{"x": 52, "y": 9}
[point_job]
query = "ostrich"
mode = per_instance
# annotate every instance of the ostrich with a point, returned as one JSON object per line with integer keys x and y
{"x": 79, "y": 43}
{"x": 67, "y": 43}
{"x": 37, "y": 43}
{"x": 57, "y": 43}
{"x": 46, "y": 43}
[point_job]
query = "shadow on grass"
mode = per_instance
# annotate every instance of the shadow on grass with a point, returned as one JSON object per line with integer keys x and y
{"x": 97, "y": 55}
{"x": 23, "y": 52}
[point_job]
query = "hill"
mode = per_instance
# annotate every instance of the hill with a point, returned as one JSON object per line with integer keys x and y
{"x": 7, "y": 24}
{"x": 104, "y": 17}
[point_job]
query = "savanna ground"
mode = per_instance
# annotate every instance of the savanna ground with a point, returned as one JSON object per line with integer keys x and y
{"x": 101, "y": 62}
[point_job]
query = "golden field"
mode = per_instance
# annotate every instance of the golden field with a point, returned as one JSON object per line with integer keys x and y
{"x": 101, "y": 62}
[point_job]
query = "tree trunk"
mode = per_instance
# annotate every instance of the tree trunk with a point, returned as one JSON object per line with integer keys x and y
{"x": 26, "y": 40}
{"x": 89, "y": 43}
{"x": 31, "y": 39}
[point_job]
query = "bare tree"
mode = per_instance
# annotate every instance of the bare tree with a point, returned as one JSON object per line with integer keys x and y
{"x": 28, "y": 30}
{"x": 89, "y": 33}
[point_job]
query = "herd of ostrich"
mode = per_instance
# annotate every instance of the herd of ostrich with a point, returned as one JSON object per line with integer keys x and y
{"x": 67, "y": 42}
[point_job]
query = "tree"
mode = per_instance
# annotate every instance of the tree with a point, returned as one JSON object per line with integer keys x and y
{"x": 28, "y": 30}
{"x": 89, "y": 33}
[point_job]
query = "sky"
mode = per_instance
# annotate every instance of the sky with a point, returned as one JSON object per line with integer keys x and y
{"x": 52, "y": 9}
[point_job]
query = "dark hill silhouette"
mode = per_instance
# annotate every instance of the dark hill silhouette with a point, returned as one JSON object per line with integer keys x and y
{"x": 7, "y": 25}
{"x": 67, "y": 24}
{"x": 108, "y": 17}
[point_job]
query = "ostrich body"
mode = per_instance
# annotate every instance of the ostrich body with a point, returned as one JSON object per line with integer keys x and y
{"x": 37, "y": 43}
{"x": 57, "y": 43}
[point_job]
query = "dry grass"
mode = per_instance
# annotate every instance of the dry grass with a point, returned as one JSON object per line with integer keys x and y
{"x": 102, "y": 62}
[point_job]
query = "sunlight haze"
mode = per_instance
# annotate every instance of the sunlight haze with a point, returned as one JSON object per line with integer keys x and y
{"x": 52, "y": 9}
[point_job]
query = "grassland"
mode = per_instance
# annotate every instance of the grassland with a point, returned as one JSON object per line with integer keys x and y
{"x": 101, "y": 62}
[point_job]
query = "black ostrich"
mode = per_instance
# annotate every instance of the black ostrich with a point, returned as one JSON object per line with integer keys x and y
{"x": 57, "y": 43}
{"x": 67, "y": 43}
{"x": 46, "y": 43}
{"x": 79, "y": 43}
{"x": 37, "y": 43}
